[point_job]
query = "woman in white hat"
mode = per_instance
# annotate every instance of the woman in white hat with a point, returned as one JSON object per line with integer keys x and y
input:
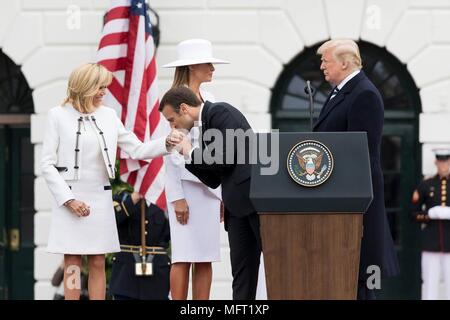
{"x": 194, "y": 209}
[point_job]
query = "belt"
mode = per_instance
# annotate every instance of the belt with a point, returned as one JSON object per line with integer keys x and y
{"x": 138, "y": 249}
{"x": 104, "y": 187}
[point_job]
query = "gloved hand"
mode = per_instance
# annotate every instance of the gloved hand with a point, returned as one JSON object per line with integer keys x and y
{"x": 445, "y": 213}
{"x": 439, "y": 212}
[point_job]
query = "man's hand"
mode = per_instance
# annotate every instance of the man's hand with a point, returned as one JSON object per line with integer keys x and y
{"x": 181, "y": 211}
{"x": 184, "y": 147}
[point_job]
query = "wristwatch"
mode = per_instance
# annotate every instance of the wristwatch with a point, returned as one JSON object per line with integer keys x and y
{"x": 67, "y": 202}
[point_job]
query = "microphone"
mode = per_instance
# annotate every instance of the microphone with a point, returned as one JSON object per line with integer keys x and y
{"x": 309, "y": 91}
{"x": 308, "y": 88}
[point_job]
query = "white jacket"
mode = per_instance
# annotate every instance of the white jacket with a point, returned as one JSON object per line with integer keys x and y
{"x": 60, "y": 161}
{"x": 176, "y": 172}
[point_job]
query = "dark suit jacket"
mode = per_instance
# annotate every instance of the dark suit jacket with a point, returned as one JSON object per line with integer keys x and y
{"x": 235, "y": 178}
{"x": 359, "y": 107}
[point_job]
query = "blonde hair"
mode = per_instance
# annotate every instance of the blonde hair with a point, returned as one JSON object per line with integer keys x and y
{"x": 345, "y": 50}
{"x": 84, "y": 83}
{"x": 181, "y": 77}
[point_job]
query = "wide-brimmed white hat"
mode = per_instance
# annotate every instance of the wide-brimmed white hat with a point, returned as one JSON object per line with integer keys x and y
{"x": 194, "y": 51}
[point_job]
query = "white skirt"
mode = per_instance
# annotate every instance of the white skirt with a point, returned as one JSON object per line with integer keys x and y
{"x": 94, "y": 234}
{"x": 199, "y": 239}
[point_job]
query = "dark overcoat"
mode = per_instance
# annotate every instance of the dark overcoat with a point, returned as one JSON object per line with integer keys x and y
{"x": 358, "y": 106}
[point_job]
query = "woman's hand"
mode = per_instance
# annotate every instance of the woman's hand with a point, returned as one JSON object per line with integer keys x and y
{"x": 174, "y": 138}
{"x": 181, "y": 211}
{"x": 79, "y": 208}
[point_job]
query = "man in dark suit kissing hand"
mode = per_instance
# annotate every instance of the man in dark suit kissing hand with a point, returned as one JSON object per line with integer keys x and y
{"x": 220, "y": 165}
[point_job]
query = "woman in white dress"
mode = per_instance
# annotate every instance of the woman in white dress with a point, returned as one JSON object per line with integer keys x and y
{"x": 194, "y": 209}
{"x": 78, "y": 156}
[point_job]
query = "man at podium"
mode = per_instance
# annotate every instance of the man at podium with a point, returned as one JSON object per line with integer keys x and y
{"x": 355, "y": 104}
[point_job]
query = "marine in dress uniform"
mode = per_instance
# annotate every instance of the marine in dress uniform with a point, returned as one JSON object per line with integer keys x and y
{"x": 431, "y": 208}
{"x": 128, "y": 279}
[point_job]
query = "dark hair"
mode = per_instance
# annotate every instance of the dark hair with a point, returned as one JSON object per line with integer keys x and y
{"x": 178, "y": 95}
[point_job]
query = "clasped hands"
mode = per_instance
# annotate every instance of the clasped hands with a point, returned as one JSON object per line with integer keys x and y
{"x": 79, "y": 208}
{"x": 179, "y": 141}
{"x": 439, "y": 212}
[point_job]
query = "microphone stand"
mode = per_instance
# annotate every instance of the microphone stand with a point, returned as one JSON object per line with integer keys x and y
{"x": 309, "y": 92}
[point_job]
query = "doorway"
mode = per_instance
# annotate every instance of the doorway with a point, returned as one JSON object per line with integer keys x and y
{"x": 16, "y": 184}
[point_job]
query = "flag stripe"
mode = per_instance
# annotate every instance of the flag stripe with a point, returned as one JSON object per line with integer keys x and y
{"x": 114, "y": 64}
{"x": 113, "y": 39}
{"x": 112, "y": 52}
{"x": 117, "y": 13}
{"x": 129, "y": 64}
{"x": 132, "y": 178}
{"x": 119, "y": 3}
{"x": 161, "y": 201}
{"x": 115, "y": 26}
{"x": 116, "y": 90}
{"x": 152, "y": 170}
{"x": 154, "y": 118}
{"x": 141, "y": 110}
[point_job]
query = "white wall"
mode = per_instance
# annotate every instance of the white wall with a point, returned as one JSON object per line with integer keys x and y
{"x": 258, "y": 37}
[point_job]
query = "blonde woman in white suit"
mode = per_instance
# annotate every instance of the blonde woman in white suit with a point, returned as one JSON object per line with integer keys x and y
{"x": 194, "y": 209}
{"x": 78, "y": 157}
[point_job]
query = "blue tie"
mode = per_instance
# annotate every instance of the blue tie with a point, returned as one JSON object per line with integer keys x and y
{"x": 334, "y": 93}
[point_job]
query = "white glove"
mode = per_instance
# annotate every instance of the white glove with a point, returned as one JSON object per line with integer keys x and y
{"x": 445, "y": 213}
{"x": 433, "y": 212}
{"x": 439, "y": 212}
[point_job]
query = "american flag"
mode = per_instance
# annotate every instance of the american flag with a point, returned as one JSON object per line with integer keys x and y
{"x": 127, "y": 49}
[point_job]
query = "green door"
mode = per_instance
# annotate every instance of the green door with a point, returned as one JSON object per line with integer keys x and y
{"x": 3, "y": 239}
{"x": 16, "y": 183}
{"x": 17, "y": 213}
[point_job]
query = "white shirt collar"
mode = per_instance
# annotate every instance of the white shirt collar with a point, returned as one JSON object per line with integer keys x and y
{"x": 199, "y": 122}
{"x": 347, "y": 79}
{"x": 195, "y": 130}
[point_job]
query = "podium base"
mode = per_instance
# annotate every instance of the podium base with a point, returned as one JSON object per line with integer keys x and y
{"x": 311, "y": 256}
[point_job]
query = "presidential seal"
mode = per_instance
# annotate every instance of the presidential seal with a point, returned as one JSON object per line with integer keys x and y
{"x": 310, "y": 163}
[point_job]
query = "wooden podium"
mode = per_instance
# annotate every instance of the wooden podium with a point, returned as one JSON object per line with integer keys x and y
{"x": 311, "y": 236}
